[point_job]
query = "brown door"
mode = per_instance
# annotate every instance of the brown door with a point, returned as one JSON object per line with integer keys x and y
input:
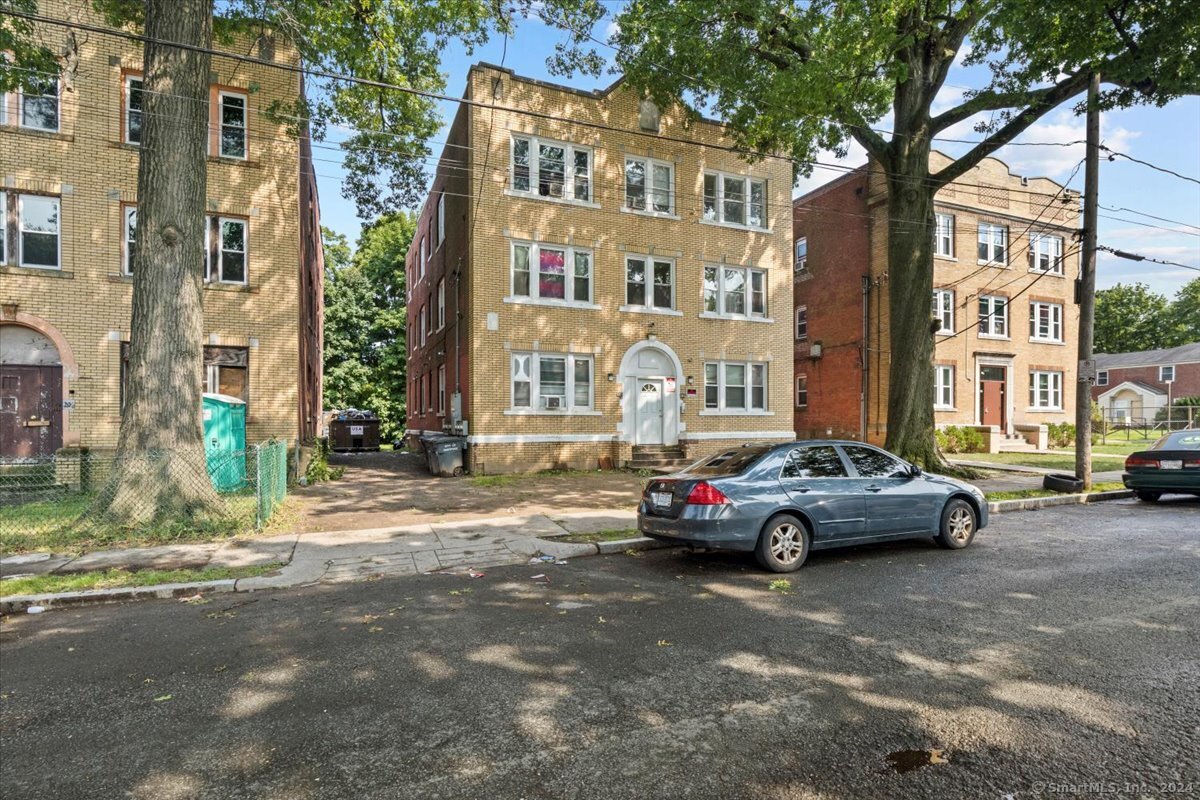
{"x": 993, "y": 404}
{"x": 30, "y": 411}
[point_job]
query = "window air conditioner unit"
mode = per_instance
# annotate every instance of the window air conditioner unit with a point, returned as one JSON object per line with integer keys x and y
{"x": 552, "y": 402}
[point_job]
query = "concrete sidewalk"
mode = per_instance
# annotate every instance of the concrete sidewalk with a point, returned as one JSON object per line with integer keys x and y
{"x": 332, "y": 556}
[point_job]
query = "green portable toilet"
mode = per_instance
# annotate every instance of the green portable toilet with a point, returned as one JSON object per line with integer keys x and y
{"x": 225, "y": 441}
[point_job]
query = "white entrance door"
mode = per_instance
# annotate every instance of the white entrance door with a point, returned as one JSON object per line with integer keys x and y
{"x": 649, "y": 411}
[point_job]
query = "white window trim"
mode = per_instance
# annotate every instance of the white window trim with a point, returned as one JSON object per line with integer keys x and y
{"x": 1055, "y": 377}
{"x": 535, "y": 249}
{"x": 129, "y": 79}
{"x": 796, "y": 328}
{"x": 802, "y": 379}
{"x": 57, "y": 108}
{"x": 672, "y": 191}
{"x": 937, "y": 237}
{"x": 441, "y": 304}
{"x": 749, "y": 316}
{"x": 421, "y": 261}
{"x": 992, "y": 318}
{"x": 1055, "y": 324}
{"x": 58, "y": 237}
{"x": 991, "y": 259}
{"x": 945, "y": 307}
{"x": 1056, "y": 258}
{"x": 648, "y": 307}
{"x": 939, "y": 373}
{"x": 723, "y": 410}
{"x": 720, "y": 220}
{"x": 535, "y": 386}
{"x": 245, "y": 98}
{"x": 441, "y": 219}
{"x": 245, "y": 251}
{"x": 569, "y": 150}
{"x": 441, "y": 389}
{"x": 3, "y": 212}
{"x": 126, "y": 266}
{"x": 800, "y": 264}
{"x": 1162, "y": 370}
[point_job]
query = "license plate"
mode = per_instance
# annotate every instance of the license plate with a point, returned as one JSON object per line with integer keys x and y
{"x": 1171, "y": 464}
{"x": 661, "y": 499}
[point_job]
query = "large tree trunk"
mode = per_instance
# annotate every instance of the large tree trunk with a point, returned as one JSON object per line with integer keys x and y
{"x": 160, "y": 471}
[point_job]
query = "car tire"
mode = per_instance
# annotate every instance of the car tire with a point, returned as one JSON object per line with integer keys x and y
{"x": 959, "y": 525}
{"x": 1062, "y": 483}
{"x": 1148, "y": 497}
{"x": 783, "y": 544}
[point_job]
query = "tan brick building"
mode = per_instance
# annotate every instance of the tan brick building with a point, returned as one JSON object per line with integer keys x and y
{"x": 1003, "y": 303}
{"x": 68, "y": 166}
{"x": 590, "y": 276}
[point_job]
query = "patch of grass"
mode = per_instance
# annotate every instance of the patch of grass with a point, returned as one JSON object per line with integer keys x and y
{"x": 1046, "y": 460}
{"x": 1122, "y": 448}
{"x": 781, "y": 585}
{"x": 599, "y": 536}
{"x": 118, "y": 578}
{"x": 1022, "y": 494}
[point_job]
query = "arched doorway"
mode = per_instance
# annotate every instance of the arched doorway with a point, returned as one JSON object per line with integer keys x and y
{"x": 650, "y": 406}
{"x": 31, "y": 393}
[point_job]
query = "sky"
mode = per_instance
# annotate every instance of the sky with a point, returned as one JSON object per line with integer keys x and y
{"x": 1167, "y": 137}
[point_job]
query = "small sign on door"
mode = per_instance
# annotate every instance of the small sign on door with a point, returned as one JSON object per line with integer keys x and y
{"x": 670, "y": 385}
{"x": 356, "y": 430}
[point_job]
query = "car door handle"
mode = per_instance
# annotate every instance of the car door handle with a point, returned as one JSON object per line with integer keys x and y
{"x": 800, "y": 489}
{"x": 874, "y": 488}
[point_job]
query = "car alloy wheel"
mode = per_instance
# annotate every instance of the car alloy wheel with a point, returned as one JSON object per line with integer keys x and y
{"x": 961, "y": 524}
{"x": 787, "y": 543}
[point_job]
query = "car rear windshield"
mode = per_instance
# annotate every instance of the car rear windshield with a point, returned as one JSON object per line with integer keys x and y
{"x": 1183, "y": 440}
{"x": 731, "y": 462}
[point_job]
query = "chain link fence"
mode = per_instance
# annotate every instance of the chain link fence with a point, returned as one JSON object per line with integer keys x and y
{"x": 69, "y": 500}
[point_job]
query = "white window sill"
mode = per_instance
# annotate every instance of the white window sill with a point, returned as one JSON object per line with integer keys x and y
{"x": 45, "y": 267}
{"x": 566, "y": 201}
{"x": 945, "y": 332}
{"x": 538, "y": 301}
{"x": 734, "y": 317}
{"x": 646, "y": 213}
{"x": 1043, "y": 411}
{"x": 545, "y": 412}
{"x": 1054, "y": 273}
{"x": 734, "y": 225}
{"x": 941, "y": 257}
{"x": 995, "y": 337}
{"x": 668, "y": 312}
{"x": 945, "y": 408}
{"x": 1058, "y": 342}
{"x": 990, "y": 263}
{"x": 802, "y": 408}
{"x": 733, "y": 412}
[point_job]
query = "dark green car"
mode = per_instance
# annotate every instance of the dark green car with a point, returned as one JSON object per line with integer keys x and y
{"x": 1170, "y": 465}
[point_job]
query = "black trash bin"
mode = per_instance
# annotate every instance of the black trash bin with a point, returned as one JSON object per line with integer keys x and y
{"x": 445, "y": 455}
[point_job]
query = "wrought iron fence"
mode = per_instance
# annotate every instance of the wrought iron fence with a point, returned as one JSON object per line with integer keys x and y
{"x": 1121, "y": 424}
{"x": 70, "y": 498}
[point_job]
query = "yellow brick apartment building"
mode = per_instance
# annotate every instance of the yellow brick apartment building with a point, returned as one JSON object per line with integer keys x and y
{"x": 592, "y": 278}
{"x": 68, "y": 201}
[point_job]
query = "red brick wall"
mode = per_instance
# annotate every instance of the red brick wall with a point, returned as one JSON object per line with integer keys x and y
{"x": 1187, "y": 379}
{"x": 835, "y": 224}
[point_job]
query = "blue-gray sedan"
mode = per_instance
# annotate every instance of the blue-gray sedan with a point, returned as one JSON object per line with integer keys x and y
{"x": 781, "y": 501}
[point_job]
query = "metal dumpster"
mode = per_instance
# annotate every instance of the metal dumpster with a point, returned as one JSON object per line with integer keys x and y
{"x": 354, "y": 431}
{"x": 445, "y": 455}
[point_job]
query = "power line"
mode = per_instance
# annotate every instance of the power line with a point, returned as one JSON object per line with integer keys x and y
{"x": 1113, "y": 154}
{"x": 1137, "y": 257}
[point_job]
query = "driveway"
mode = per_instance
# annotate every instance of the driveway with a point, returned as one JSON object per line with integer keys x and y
{"x": 1062, "y": 650}
{"x": 394, "y": 488}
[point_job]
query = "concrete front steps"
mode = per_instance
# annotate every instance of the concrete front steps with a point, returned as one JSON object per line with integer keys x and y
{"x": 659, "y": 458}
{"x": 1016, "y": 444}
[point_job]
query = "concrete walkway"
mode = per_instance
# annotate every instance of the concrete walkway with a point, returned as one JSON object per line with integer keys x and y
{"x": 328, "y": 557}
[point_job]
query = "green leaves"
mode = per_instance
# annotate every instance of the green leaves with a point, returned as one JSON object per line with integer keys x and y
{"x": 1130, "y": 317}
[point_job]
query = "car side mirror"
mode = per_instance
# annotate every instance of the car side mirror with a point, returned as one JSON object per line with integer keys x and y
{"x": 914, "y": 471}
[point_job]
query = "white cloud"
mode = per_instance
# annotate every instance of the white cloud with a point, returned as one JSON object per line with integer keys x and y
{"x": 612, "y": 29}
{"x": 1059, "y": 160}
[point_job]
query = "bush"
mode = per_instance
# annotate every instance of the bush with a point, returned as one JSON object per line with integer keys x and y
{"x": 1060, "y": 434}
{"x": 956, "y": 439}
{"x": 318, "y": 466}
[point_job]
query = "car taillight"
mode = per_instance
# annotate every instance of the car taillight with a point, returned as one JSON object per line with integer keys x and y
{"x": 1141, "y": 461}
{"x": 1192, "y": 463}
{"x": 705, "y": 494}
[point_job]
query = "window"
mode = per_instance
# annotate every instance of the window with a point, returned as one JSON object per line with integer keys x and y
{"x": 134, "y": 97}
{"x": 232, "y": 132}
{"x": 943, "y": 387}
{"x": 38, "y": 234}
{"x": 801, "y": 254}
{"x": 1102, "y": 378}
{"x": 421, "y": 323}
{"x": 735, "y": 200}
{"x": 441, "y": 219}
{"x": 801, "y": 391}
{"x": 813, "y": 462}
{"x": 649, "y": 283}
{"x": 943, "y": 310}
{"x": 421, "y": 261}
{"x": 993, "y": 243}
{"x": 38, "y": 105}
{"x": 226, "y": 371}
{"x": 993, "y": 316}
{"x": 649, "y": 185}
{"x": 871, "y": 463}
{"x": 546, "y": 382}
{"x": 231, "y": 251}
{"x": 1045, "y": 322}
{"x": 441, "y": 304}
{"x": 1045, "y": 253}
{"x": 735, "y": 292}
{"x": 129, "y": 239}
{"x": 1045, "y": 390}
{"x": 1166, "y": 374}
{"x": 943, "y": 235}
{"x": 801, "y": 323}
{"x": 3, "y": 216}
{"x": 735, "y": 386}
{"x": 539, "y": 272}
{"x": 540, "y": 168}
{"x": 441, "y": 389}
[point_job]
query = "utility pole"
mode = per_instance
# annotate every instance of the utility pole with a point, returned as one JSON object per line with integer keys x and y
{"x": 1087, "y": 290}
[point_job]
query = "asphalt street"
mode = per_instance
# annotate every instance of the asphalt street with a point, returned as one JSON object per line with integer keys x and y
{"x": 1058, "y": 656}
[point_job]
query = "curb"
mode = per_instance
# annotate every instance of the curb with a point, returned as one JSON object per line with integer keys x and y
{"x": 20, "y": 602}
{"x": 637, "y": 543}
{"x": 1034, "y": 503}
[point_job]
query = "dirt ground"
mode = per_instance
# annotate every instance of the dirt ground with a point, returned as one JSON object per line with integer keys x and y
{"x": 384, "y": 489}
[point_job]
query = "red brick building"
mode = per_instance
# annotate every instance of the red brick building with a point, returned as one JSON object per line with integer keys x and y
{"x": 1132, "y": 387}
